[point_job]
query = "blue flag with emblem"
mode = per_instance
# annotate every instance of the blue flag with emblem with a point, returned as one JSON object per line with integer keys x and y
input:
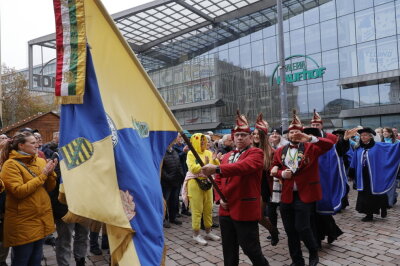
{"x": 112, "y": 145}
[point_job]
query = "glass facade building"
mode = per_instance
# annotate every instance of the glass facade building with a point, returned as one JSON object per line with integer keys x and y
{"x": 357, "y": 41}
{"x": 342, "y": 60}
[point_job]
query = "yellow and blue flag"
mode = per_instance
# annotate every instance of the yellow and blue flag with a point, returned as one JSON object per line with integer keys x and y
{"x": 112, "y": 145}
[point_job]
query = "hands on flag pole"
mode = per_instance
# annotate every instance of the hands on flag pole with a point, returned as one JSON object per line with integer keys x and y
{"x": 196, "y": 155}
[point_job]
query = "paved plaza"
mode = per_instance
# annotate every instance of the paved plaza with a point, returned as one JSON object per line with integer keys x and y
{"x": 371, "y": 243}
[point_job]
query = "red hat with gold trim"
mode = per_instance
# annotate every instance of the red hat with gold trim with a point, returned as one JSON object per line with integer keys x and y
{"x": 316, "y": 118}
{"x": 296, "y": 123}
{"x": 261, "y": 124}
{"x": 242, "y": 125}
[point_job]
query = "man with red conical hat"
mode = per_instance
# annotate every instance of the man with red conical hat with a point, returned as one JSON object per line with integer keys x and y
{"x": 333, "y": 178}
{"x": 297, "y": 164}
{"x": 239, "y": 178}
{"x": 317, "y": 122}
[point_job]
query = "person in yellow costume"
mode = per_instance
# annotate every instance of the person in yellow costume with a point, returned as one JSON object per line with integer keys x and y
{"x": 201, "y": 200}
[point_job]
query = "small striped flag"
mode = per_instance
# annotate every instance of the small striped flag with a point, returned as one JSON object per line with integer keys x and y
{"x": 71, "y": 51}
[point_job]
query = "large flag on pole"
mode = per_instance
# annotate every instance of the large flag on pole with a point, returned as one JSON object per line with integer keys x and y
{"x": 113, "y": 143}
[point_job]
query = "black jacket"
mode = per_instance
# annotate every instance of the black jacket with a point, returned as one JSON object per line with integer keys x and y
{"x": 182, "y": 156}
{"x": 172, "y": 174}
{"x": 49, "y": 148}
{"x": 224, "y": 149}
{"x": 59, "y": 209}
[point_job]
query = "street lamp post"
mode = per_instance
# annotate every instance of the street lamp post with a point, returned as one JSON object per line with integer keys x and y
{"x": 282, "y": 70}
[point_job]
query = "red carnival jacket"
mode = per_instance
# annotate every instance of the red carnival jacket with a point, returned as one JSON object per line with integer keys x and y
{"x": 240, "y": 182}
{"x": 306, "y": 176}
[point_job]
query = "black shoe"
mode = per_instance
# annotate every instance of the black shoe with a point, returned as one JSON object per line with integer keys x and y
{"x": 367, "y": 218}
{"x": 297, "y": 264}
{"x": 215, "y": 225}
{"x": 383, "y": 213}
{"x": 331, "y": 239}
{"x": 178, "y": 215}
{"x": 96, "y": 251}
{"x": 314, "y": 259}
{"x": 176, "y": 221}
{"x": 3, "y": 263}
{"x": 51, "y": 241}
{"x": 187, "y": 213}
{"x": 80, "y": 262}
{"x": 274, "y": 238}
{"x": 166, "y": 224}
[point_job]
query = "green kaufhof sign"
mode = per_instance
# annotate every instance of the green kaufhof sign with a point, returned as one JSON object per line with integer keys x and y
{"x": 300, "y": 67}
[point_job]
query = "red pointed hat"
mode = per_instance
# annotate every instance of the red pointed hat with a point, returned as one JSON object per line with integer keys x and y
{"x": 316, "y": 118}
{"x": 296, "y": 123}
{"x": 261, "y": 124}
{"x": 241, "y": 123}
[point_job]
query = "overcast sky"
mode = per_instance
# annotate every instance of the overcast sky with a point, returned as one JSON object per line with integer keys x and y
{"x": 24, "y": 20}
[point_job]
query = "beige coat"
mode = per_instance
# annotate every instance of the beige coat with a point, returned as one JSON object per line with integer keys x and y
{"x": 28, "y": 214}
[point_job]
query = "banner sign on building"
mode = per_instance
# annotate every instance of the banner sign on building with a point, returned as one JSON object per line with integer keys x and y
{"x": 297, "y": 70}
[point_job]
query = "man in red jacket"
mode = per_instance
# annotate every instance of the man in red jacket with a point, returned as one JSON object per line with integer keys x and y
{"x": 239, "y": 179}
{"x": 297, "y": 164}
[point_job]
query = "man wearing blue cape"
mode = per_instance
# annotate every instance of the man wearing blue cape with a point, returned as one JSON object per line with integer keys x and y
{"x": 374, "y": 168}
{"x": 332, "y": 171}
{"x": 333, "y": 180}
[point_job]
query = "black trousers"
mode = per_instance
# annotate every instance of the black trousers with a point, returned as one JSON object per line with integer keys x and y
{"x": 243, "y": 234}
{"x": 171, "y": 197}
{"x": 296, "y": 218}
{"x": 272, "y": 212}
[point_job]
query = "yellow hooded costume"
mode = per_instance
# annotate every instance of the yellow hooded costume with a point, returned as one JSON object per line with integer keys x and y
{"x": 200, "y": 200}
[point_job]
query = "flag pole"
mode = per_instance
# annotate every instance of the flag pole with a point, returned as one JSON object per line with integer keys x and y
{"x": 196, "y": 155}
{"x": 155, "y": 91}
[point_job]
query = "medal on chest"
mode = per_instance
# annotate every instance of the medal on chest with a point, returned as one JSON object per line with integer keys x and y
{"x": 291, "y": 163}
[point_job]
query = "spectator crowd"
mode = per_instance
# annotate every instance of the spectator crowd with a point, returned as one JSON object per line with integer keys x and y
{"x": 253, "y": 175}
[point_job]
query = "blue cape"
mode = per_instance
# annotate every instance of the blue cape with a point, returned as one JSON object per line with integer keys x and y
{"x": 333, "y": 180}
{"x": 383, "y": 165}
{"x": 350, "y": 153}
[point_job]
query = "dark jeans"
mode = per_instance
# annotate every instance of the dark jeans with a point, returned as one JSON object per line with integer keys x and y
{"x": 243, "y": 234}
{"x": 296, "y": 218}
{"x": 65, "y": 233}
{"x": 272, "y": 213}
{"x": 27, "y": 255}
{"x": 171, "y": 197}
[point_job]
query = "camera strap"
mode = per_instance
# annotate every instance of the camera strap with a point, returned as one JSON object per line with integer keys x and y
{"x": 26, "y": 167}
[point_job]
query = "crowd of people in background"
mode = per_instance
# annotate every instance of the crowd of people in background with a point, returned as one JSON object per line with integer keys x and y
{"x": 30, "y": 205}
{"x": 256, "y": 171}
{"x": 295, "y": 172}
